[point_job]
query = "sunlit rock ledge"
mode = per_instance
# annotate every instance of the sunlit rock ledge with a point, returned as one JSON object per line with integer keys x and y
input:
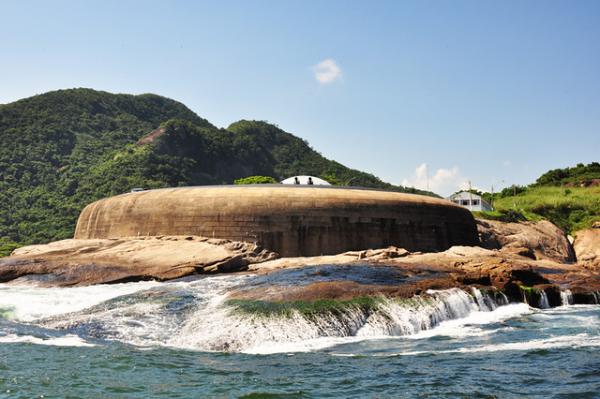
{"x": 508, "y": 271}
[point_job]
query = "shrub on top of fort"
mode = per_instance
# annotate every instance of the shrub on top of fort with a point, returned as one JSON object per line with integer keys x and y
{"x": 256, "y": 180}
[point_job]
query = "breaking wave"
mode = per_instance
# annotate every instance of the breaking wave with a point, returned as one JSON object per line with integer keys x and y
{"x": 195, "y": 315}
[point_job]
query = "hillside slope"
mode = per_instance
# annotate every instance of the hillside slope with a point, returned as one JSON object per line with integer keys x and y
{"x": 64, "y": 149}
{"x": 580, "y": 175}
{"x": 571, "y": 209}
{"x": 569, "y": 198}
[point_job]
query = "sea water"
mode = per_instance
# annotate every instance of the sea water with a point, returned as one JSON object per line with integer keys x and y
{"x": 181, "y": 340}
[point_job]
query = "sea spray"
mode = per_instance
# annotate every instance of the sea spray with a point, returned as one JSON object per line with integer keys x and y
{"x": 566, "y": 297}
{"x": 544, "y": 304}
{"x": 148, "y": 317}
{"x": 198, "y": 314}
{"x": 231, "y": 327}
{"x": 487, "y": 302}
{"x": 29, "y": 303}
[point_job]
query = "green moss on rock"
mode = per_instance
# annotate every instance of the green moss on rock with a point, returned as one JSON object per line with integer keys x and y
{"x": 305, "y": 308}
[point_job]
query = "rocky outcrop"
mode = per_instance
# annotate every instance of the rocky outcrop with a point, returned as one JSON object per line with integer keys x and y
{"x": 518, "y": 277}
{"x": 527, "y": 266}
{"x": 587, "y": 246}
{"x": 537, "y": 240}
{"x": 96, "y": 261}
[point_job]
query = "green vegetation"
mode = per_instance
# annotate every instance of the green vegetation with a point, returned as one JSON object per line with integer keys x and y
{"x": 64, "y": 149}
{"x": 256, "y": 180}
{"x": 319, "y": 307}
{"x": 509, "y": 215}
{"x": 7, "y": 246}
{"x": 309, "y": 309}
{"x": 532, "y": 295}
{"x": 571, "y": 209}
{"x": 579, "y": 175}
{"x": 527, "y": 289}
{"x": 289, "y": 155}
{"x": 569, "y": 198}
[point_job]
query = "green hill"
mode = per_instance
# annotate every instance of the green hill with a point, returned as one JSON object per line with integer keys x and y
{"x": 571, "y": 209}
{"x": 570, "y": 198}
{"x": 64, "y": 149}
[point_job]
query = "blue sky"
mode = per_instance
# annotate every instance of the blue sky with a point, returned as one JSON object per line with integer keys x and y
{"x": 476, "y": 90}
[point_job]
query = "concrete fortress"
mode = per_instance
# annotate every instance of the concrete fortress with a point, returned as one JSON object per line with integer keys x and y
{"x": 292, "y": 220}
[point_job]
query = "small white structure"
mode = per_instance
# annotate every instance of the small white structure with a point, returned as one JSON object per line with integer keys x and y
{"x": 471, "y": 201}
{"x": 306, "y": 180}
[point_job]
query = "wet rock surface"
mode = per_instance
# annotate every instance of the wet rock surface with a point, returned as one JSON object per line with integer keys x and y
{"x": 532, "y": 264}
{"x": 519, "y": 277}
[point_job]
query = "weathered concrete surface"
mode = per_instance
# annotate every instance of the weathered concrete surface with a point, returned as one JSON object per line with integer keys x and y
{"x": 290, "y": 220}
{"x": 96, "y": 261}
{"x": 538, "y": 240}
{"x": 587, "y": 246}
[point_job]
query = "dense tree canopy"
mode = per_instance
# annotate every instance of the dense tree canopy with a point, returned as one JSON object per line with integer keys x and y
{"x": 577, "y": 175}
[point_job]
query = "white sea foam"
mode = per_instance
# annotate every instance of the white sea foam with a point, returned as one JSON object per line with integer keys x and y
{"x": 207, "y": 323}
{"x": 67, "y": 340}
{"x": 566, "y": 341}
{"x": 29, "y": 303}
{"x": 217, "y": 327}
{"x": 144, "y": 321}
{"x": 471, "y": 324}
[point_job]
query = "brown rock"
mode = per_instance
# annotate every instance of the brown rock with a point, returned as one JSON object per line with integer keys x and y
{"x": 460, "y": 266}
{"x": 96, "y": 261}
{"x": 541, "y": 240}
{"x": 587, "y": 246}
{"x": 339, "y": 290}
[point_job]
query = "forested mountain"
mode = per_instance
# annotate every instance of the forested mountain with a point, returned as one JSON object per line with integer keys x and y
{"x": 63, "y": 149}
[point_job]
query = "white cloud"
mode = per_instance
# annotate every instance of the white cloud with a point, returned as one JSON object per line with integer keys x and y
{"x": 442, "y": 181}
{"x": 327, "y": 71}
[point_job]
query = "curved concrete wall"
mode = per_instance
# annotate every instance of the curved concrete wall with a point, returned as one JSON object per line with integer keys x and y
{"x": 292, "y": 220}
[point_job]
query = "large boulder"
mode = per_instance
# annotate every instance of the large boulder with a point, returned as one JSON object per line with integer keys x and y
{"x": 498, "y": 272}
{"x": 538, "y": 240}
{"x": 100, "y": 261}
{"x": 587, "y": 246}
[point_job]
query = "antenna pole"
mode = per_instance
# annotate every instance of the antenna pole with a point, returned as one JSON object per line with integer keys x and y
{"x": 470, "y": 196}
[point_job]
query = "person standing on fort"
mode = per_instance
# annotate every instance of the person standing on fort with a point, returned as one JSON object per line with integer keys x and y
{"x": 296, "y": 180}
{"x": 310, "y": 182}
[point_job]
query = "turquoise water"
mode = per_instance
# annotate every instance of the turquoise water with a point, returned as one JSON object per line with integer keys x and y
{"x": 141, "y": 340}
